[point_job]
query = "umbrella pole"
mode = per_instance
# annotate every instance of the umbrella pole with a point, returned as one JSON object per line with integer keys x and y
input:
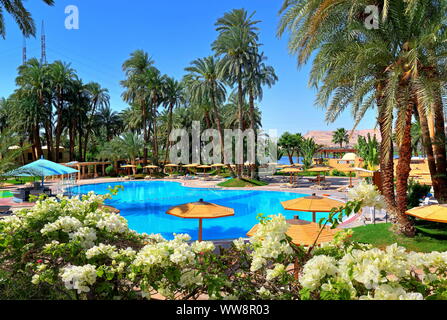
{"x": 314, "y": 217}
{"x": 295, "y": 268}
{"x": 200, "y": 230}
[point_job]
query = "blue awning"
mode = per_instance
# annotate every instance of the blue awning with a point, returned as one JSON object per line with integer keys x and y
{"x": 40, "y": 168}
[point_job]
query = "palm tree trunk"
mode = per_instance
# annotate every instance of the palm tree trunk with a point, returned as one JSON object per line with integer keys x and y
{"x": 49, "y": 138}
{"x": 145, "y": 134}
{"x": 59, "y": 126}
{"x": 428, "y": 147}
{"x": 386, "y": 156}
{"x": 37, "y": 144}
{"x": 81, "y": 158}
{"x": 254, "y": 169}
{"x": 220, "y": 129}
{"x": 402, "y": 174}
{"x": 290, "y": 155}
{"x": 241, "y": 119}
{"x": 71, "y": 134}
{"x": 155, "y": 138}
{"x": 168, "y": 143}
{"x": 439, "y": 148}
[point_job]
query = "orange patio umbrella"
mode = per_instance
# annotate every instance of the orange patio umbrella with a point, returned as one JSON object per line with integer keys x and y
{"x": 292, "y": 171}
{"x": 284, "y": 166}
{"x": 319, "y": 170}
{"x": 435, "y": 213}
{"x": 349, "y": 170}
{"x": 204, "y": 167}
{"x": 304, "y": 232}
{"x": 200, "y": 210}
{"x": 312, "y": 204}
{"x": 128, "y": 166}
{"x": 171, "y": 165}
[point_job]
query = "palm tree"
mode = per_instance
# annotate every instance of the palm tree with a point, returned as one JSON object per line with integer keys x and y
{"x": 368, "y": 149}
{"x": 174, "y": 96}
{"x": 111, "y": 121}
{"x": 34, "y": 91}
{"x": 340, "y": 136}
{"x": 378, "y": 76}
{"x": 416, "y": 139}
{"x": 61, "y": 77}
{"x": 98, "y": 98}
{"x": 206, "y": 86}
{"x": 259, "y": 75}
{"x": 20, "y": 15}
{"x": 309, "y": 149}
{"x": 237, "y": 44}
{"x": 155, "y": 82}
{"x": 128, "y": 145}
{"x": 136, "y": 68}
{"x": 230, "y": 113}
{"x": 8, "y": 157}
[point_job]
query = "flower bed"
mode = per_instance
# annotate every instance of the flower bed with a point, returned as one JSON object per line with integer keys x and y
{"x": 73, "y": 249}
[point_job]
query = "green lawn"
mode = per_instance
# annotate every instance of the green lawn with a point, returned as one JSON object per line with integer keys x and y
{"x": 430, "y": 236}
{"x": 242, "y": 183}
{"x": 21, "y": 180}
{"x": 5, "y": 194}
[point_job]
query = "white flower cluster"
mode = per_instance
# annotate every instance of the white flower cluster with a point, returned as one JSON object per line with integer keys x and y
{"x": 240, "y": 244}
{"x": 66, "y": 224}
{"x": 102, "y": 249}
{"x": 79, "y": 277}
{"x": 269, "y": 241}
{"x": 392, "y": 292}
{"x": 11, "y": 223}
{"x": 316, "y": 269}
{"x": 189, "y": 278}
{"x": 112, "y": 222}
{"x": 202, "y": 246}
{"x": 85, "y": 235}
{"x": 277, "y": 271}
{"x": 381, "y": 272}
{"x": 368, "y": 194}
{"x": 164, "y": 253}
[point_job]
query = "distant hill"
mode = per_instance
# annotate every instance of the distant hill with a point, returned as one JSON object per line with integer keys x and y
{"x": 324, "y": 138}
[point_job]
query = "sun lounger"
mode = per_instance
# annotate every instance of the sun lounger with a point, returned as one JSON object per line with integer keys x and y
{"x": 5, "y": 211}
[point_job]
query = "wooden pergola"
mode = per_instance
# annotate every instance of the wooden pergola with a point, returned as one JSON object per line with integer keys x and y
{"x": 83, "y": 168}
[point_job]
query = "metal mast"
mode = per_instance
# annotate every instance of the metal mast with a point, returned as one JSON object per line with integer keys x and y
{"x": 43, "y": 57}
{"x": 24, "y": 50}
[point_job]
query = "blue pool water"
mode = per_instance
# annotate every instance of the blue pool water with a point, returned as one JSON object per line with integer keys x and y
{"x": 144, "y": 205}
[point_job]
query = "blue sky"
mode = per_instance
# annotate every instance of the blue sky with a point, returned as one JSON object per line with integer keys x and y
{"x": 174, "y": 33}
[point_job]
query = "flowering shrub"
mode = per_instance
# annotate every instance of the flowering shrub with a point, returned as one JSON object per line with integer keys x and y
{"x": 75, "y": 249}
{"x": 368, "y": 194}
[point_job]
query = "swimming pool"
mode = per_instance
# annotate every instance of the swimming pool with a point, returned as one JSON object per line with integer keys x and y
{"x": 144, "y": 205}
